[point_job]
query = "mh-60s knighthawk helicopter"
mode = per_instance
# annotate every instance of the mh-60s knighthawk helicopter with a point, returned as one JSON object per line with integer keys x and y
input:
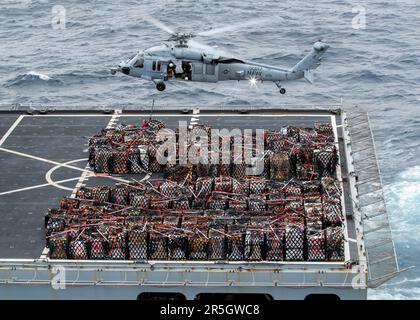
{"x": 185, "y": 59}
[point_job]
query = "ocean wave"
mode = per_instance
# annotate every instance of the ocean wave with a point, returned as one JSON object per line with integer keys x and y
{"x": 69, "y": 78}
{"x": 32, "y": 78}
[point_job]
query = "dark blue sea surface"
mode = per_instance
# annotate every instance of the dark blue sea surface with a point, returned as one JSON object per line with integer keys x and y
{"x": 375, "y": 68}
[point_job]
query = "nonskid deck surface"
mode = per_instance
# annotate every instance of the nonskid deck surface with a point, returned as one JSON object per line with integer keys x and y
{"x": 43, "y": 158}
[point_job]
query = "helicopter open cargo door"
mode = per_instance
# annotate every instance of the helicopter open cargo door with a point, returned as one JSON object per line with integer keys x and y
{"x": 380, "y": 251}
{"x": 205, "y": 72}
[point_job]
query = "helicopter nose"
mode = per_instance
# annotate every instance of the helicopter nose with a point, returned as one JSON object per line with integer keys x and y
{"x": 125, "y": 70}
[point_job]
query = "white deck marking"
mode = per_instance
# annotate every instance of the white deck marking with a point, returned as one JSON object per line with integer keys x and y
{"x": 44, "y": 253}
{"x": 56, "y": 183}
{"x": 7, "y": 134}
{"x": 194, "y": 118}
{"x": 40, "y": 159}
{"x": 79, "y": 183}
{"x": 59, "y": 164}
{"x": 37, "y": 186}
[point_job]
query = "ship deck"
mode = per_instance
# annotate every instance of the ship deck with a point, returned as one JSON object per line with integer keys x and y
{"x": 43, "y": 157}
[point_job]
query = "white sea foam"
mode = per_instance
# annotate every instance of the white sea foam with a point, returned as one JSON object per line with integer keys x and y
{"x": 403, "y": 200}
{"x": 39, "y": 75}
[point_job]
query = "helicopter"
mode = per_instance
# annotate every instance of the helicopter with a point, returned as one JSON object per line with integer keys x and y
{"x": 185, "y": 59}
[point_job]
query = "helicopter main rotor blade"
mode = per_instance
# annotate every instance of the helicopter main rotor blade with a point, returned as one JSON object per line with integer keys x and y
{"x": 158, "y": 24}
{"x": 215, "y": 31}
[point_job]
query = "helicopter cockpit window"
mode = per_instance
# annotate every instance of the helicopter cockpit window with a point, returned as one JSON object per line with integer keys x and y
{"x": 139, "y": 63}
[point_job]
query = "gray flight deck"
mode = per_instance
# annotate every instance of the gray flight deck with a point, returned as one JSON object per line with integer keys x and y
{"x": 43, "y": 157}
{"x": 39, "y": 144}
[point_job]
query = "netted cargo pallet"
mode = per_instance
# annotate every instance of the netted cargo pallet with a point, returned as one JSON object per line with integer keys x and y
{"x": 235, "y": 247}
{"x": 119, "y": 195}
{"x": 280, "y": 166}
{"x": 335, "y": 243}
{"x": 294, "y": 242}
{"x": 177, "y": 247}
{"x": 139, "y": 201}
{"x": 54, "y": 222}
{"x": 238, "y": 204}
{"x": 275, "y": 246}
{"x": 257, "y": 203}
{"x": 98, "y": 247}
{"x": 314, "y": 216}
{"x": 78, "y": 250}
{"x": 217, "y": 248}
{"x": 326, "y": 160}
{"x": 103, "y": 160}
{"x": 137, "y": 243}
{"x": 117, "y": 247}
{"x": 316, "y": 245}
{"x": 325, "y": 132}
{"x": 158, "y": 246}
{"x": 198, "y": 245}
{"x": 58, "y": 245}
{"x": 257, "y": 186}
{"x": 332, "y": 213}
{"x": 255, "y": 246}
{"x": 278, "y": 141}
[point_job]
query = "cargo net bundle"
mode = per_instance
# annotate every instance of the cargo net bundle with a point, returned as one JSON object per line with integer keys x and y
{"x": 222, "y": 218}
{"x": 303, "y": 153}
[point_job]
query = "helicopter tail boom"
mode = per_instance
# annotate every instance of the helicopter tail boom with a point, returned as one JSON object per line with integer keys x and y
{"x": 311, "y": 61}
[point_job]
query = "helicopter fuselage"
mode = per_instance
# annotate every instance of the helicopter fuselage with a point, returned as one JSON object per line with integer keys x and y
{"x": 183, "y": 63}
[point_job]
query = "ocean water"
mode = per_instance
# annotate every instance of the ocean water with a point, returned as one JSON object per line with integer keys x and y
{"x": 372, "y": 66}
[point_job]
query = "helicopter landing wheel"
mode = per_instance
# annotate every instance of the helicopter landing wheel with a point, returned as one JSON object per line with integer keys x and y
{"x": 282, "y": 90}
{"x": 160, "y": 86}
